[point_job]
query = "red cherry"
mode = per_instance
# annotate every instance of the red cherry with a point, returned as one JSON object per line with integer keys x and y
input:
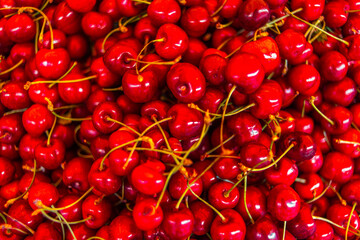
{"x": 47, "y": 230}
{"x": 98, "y": 210}
{"x": 66, "y": 19}
{"x": 220, "y": 197}
{"x": 75, "y": 174}
{"x": 303, "y": 225}
{"x": 146, "y": 215}
{"x": 337, "y": 167}
{"x": 43, "y": 193}
{"x": 323, "y": 231}
{"x": 179, "y": 183}
{"x": 20, "y": 28}
{"x": 52, "y": 64}
{"x": 336, "y": 13}
{"x": 72, "y": 213}
{"x": 245, "y": 71}
{"x": 77, "y": 46}
{"x": 312, "y": 9}
{"x": 253, "y": 14}
{"x": 51, "y": 155}
{"x": 59, "y": 40}
{"x": 231, "y": 228}
{"x": 128, "y": 8}
{"x": 340, "y": 215}
{"x": 37, "y": 119}
{"x": 195, "y": 21}
{"x": 255, "y": 202}
{"x": 11, "y": 129}
{"x": 342, "y": 92}
{"x": 285, "y": 173}
{"x": 263, "y": 228}
{"x": 14, "y": 96}
{"x": 147, "y": 180}
{"x": 74, "y": 92}
{"x": 164, "y": 11}
{"x": 81, "y": 6}
{"x": 124, "y": 227}
{"x": 96, "y": 25}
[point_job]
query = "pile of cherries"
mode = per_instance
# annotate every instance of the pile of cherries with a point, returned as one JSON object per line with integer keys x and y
{"x": 179, "y": 119}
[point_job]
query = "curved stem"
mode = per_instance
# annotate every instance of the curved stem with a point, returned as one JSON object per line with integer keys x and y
{"x": 322, "y": 194}
{"x": 12, "y": 68}
{"x": 348, "y": 223}
{"x": 284, "y": 231}
{"x": 123, "y": 124}
{"x": 22, "y": 224}
{"x": 312, "y": 103}
{"x": 51, "y": 131}
{"x": 223, "y": 118}
{"x": 246, "y": 208}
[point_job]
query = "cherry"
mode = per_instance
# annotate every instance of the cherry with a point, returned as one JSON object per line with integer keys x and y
{"x": 38, "y": 93}
{"x": 37, "y": 119}
{"x": 304, "y": 146}
{"x": 283, "y": 203}
{"x": 11, "y": 129}
{"x": 7, "y": 171}
{"x": 312, "y": 9}
{"x": 341, "y": 118}
{"x": 127, "y": 106}
{"x": 174, "y": 41}
{"x": 195, "y": 21}
{"x": 66, "y": 19}
{"x": 249, "y": 76}
{"x": 245, "y": 127}
{"x": 309, "y": 186}
{"x": 47, "y": 230}
{"x": 203, "y": 217}
{"x": 81, "y": 6}
{"x": 255, "y": 203}
{"x": 103, "y": 180}
{"x": 146, "y": 179}
{"x": 146, "y": 215}
{"x": 267, "y": 99}
{"x": 73, "y": 92}
{"x": 123, "y": 227}
{"x": 96, "y": 25}
{"x": 193, "y": 52}
{"x": 213, "y": 67}
{"x": 209, "y": 176}
{"x": 350, "y": 191}
{"x": 231, "y": 227}
{"x": 140, "y": 88}
{"x": 52, "y": 63}
{"x": 42, "y": 194}
{"x": 336, "y": 13}
{"x": 333, "y": 66}
{"x": 164, "y": 11}
{"x": 255, "y": 154}
{"x": 101, "y": 116}
{"x": 179, "y": 183}
{"x": 340, "y": 215}
{"x": 21, "y": 52}
{"x": 303, "y": 225}
{"x": 32, "y": 3}
{"x": 227, "y": 168}
{"x": 187, "y": 118}
{"x": 20, "y": 28}
{"x": 97, "y": 210}
{"x": 313, "y": 164}
{"x": 253, "y": 14}
{"x": 323, "y": 231}
{"x": 178, "y": 223}
{"x": 222, "y": 196}
{"x": 342, "y": 92}
{"x": 75, "y": 173}
{"x": 59, "y": 40}
{"x": 14, "y": 96}
{"x": 77, "y": 46}
{"x": 73, "y": 213}
{"x": 50, "y": 154}
{"x": 285, "y": 173}
{"x": 128, "y": 8}
{"x": 263, "y": 228}
{"x": 305, "y": 79}
{"x": 351, "y": 51}
{"x": 116, "y": 58}
{"x": 186, "y": 82}
{"x": 80, "y": 231}
{"x": 337, "y": 167}
{"x": 351, "y": 27}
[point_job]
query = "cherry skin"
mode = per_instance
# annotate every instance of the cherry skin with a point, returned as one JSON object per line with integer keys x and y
{"x": 340, "y": 214}
{"x": 116, "y": 58}
{"x": 254, "y": 154}
{"x": 75, "y": 174}
{"x": 341, "y": 118}
{"x": 146, "y": 215}
{"x": 128, "y": 8}
{"x": 312, "y": 9}
{"x": 209, "y": 177}
{"x": 178, "y": 223}
{"x": 14, "y": 96}
{"x": 232, "y": 228}
{"x": 77, "y": 46}
{"x": 51, "y": 155}
{"x": 186, "y": 82}
{"x": 283, "y": 203}
{"x": 303, "y": 225}
{"x": 195, "y": 21}
{"x": 323, "y": 231}
{"x": 187, "y": 118}
{"x": 47, "y": 230}
{"x": 52, "y": 64}
{"x": 255, "y": 202}
{"x": 227, "y": 168}
{"x": 337, "y": 167}
{"x": 333, "y": 66}
{"x": 336, "y": 13}
{"x": 218, "y": 198}
{"x": 313, "y": 164}
{"x": 285, "y": 173}
{"x": 312, "y": 187}
{"x": 81, "y": 6}
{"x": 43, "y": 193}
{"x": 37, "y": 119}
{"x": 342, "y": 92}
{"x": 179, "y": 183}
{"x": 103, "y": 180}
{"x": 140, "y": 88}
{"x": 249, "y": 76}
{"x": 20, "y": 28}
{"x": 304, "y": 146}
{"x": 305, "y": 79}
{"x": 263, "y": 228}
{"x": 74, "y": 92}
{"x": 146, "y": 179}
{"x": 253, "y": 14}
{"x": 38, "y": 92}
{"x": 7, "y": 171}
{"x": 101, "y": 114}
{"x": 95, "y": 24}
{"x": 164, "y": 11}
{"x": 11, "y": 129}
{"x": 213, "y": 67}
{"x": 175, "y": 41}
{"x": 203, "y": 217}
{"x": 72, "y": 213}
{"x": 245, "y": 127}
{"x": 98, "y": 210}
{"x": 124, "y": 227}
{"x": 66, "y": 19}
{"x": 80, "y": 231}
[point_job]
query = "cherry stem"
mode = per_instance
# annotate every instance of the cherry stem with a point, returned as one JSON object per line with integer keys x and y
{"x": 316, "y": 27}
{"x": 141, "y": 2}
{"x": 3, "y": 218}
{"x": 218, "y": 146}
{"x": 67, "y": 224}
{"x": 64, "y": 75}
{"x": 173, "y": 171}
{"x": 12, "y": 68}
{"x": 340, "y": 141}
{"x": 122, "y": 124}
{"x": 353, "y": 11}
{"x": 334, "y": 224}
{"x": 22, "y": 224}
{"x": 269, "y": 24}
{"x": 9, "y": 227}
{"x": 113, "y": 89}
{"x": 28, "y": 84}
{"x": 95, "y": 238}
{"x": 311, "y": 29}
{"x": 80, "y": 145}
{"x": 145, "y": 46}
{"x": 348, "y": 223}
{"x": 223, "y": 219}
{"x": 321, "y": 194}
{"x": 318, "y": 34}
{"x": 245, "y": 205}
{"x": 300, "y": 180}
{"x": 311, "y": 101}
{"x": 223, "y": 118}
{"x": 51, "y": 131}
{"x": 166, "y": 140}
{"x": 342, "y": 201}
{"x": 11, "y": 201}
{"x": 219, "y": 9}
{"x": 36, "y": 36}
{"x": 62, "y": 222}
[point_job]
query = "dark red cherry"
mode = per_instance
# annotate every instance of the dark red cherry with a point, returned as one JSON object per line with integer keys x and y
{"x": 124, "y": 227}
{"x": 255, "y": 154}
{"x": 11, "y": 129}
{"x": 164, "y": 11}
{"x": 227, "y": 168}
{"x": 245, "y": 71}
{"x": 334, "y": 66}
{"x": 203, "y": 217}
{"x": 231, "y": 228}
{"x": 20, "y": 28}
{"x": 263, "y": 228}
{"x": 340, "y": 215}
{"x": 253, "y": 14}
{"x": 101, "y": 114}
{"x": 128, "y": 8}
{"x": 183, "y": 118}
{"x": 283, "y": 203}
{"x": 313, "y": 164}
{"x": 7, "y": 171}
{"x": 77, "y": 46}
{"x": 213, "y": 67}
{"x": 180, "y": 182}
{"x": 194, "y": 51}
{"x": 175, "y": 41}
{"x": 303, "y": 225}
{"x": 95, "y": 24}
{"x": 186, "y": 82}
{"x": 303, "y": 146}
{"x": 336, "y": 13}
{"x": 341, "y": 93}
{"x": 75, "y": 174}
{"x": 323, "y": 231}
{"x": 59, "y": 40}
